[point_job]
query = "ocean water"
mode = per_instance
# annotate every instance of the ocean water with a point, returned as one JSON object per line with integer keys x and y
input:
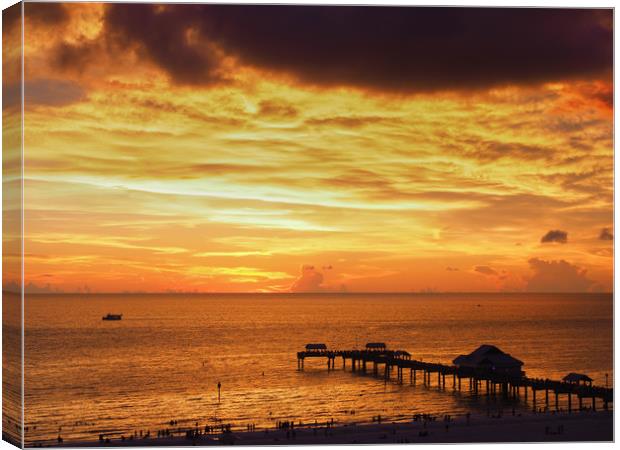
{"x": 162, "y": 362}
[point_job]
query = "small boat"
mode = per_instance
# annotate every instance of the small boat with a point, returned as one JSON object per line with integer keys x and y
{"x": 112, "y": 317}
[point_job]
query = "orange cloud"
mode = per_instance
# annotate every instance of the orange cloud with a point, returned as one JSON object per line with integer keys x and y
{"x": 310, "y": 280}
{"x": 557, "y": 276}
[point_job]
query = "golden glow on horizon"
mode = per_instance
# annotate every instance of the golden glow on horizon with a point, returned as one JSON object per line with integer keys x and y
{"x": 136, "y": 184}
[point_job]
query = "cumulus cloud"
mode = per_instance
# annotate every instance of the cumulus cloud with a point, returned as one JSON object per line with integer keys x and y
{"x": 557, "y": 276}
{"x": 486, "y": 270}
{"x": 555, "y": 236}
{"x": 310, "y": 280}
{"x": 606, "y": 235}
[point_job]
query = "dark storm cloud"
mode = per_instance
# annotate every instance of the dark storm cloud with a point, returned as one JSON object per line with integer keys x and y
{"x": 75, "y": 56}
{"x": 161, "y": 32}
{"x": 42, "y": 13}
{"x": 555, "y": 236}
{"x": 10, "y": 17}
{"x": 387, "y": 48}
{"x": 47, "y": 13}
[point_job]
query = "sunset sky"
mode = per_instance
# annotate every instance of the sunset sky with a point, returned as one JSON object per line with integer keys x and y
{"x": 255, "y": 148}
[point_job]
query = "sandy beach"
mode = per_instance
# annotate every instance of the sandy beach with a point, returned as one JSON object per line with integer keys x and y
{"x": 545, "y": 427}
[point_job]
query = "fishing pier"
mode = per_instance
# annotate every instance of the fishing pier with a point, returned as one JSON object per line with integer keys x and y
{"x": 486, "y": 371}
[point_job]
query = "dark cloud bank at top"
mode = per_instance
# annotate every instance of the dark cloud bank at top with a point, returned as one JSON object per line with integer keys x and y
{"x": 47, "y": 13}
{"x": 405, "y": 49}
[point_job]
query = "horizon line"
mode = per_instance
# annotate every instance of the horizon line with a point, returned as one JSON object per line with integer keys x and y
{"x": 305, "y": 293}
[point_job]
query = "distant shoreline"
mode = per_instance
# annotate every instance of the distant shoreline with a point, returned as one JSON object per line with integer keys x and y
{"x": 586, "y": 426}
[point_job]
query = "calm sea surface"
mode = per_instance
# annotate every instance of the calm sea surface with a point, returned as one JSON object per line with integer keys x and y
{"x": 164, "y": 359}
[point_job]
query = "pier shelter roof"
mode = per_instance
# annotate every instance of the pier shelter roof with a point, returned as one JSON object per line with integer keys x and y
{"x": 376, "y": 346}
{"x": 577, "y": 378}
{"x": 316, "y": 347}
{"x": 487, "y": 356}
